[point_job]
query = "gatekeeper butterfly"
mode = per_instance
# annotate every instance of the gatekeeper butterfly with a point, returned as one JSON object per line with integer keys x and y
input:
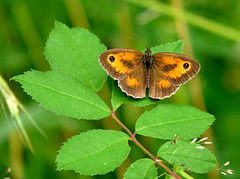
{"x": 162, "y": 73}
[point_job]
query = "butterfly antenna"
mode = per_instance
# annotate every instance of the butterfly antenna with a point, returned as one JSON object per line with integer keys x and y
{"x": 134, "y": 35}
{"x": 156, "y": 42}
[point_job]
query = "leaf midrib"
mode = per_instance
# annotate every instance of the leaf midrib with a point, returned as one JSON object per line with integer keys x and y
{"x": 96, "y": 153}
{"x": 63, "y": 93}
{"x": 184, "y": 156}
{"x": 79, "y": 61}
{"x": 169, "y": 122}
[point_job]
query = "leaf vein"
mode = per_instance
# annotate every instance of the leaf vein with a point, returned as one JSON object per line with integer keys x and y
{"x": 170, "y": 122}
{"x": 90, "y": 155}
{"x": 187, "y": 157}
{"x": 67, "y": 94}
{"x": 78, "y": 61}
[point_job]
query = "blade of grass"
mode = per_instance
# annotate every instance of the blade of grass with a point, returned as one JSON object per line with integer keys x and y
{"x": 77, "y": 13}
{"x": 195, "y": 85}
{"x": 5, "y": 32}
{"x": 124, "y": 23}
{"x": 15, "y": 107}
{"x": 191, "y": 18}
{"x": 29, "y": 34}
{"x": 16, "y": 156}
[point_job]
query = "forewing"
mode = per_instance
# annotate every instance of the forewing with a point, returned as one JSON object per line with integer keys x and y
{"x": 176, "y": 67}
{"x": 168, "y": 72}
{"x": 120, "y": 62}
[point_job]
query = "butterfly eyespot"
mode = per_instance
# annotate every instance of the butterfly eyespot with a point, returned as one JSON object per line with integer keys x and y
{"x": 112, "y": 58}
{"x": 185, "y": 65}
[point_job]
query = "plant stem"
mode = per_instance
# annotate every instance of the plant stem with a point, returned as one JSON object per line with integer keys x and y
{"x": 132, "y": 135}
{"x": 121, "y": 124}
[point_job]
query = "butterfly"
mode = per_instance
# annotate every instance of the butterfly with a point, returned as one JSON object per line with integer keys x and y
{"x": 162, "y": 73}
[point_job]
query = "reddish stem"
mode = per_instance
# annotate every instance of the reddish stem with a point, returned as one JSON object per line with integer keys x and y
{"x": 132, "y": 135}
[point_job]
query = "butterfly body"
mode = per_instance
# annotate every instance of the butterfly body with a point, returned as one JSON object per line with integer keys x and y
{"x": 162, "y": 73}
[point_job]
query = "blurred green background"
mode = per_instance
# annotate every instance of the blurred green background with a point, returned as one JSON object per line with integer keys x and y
{"x": 210, "y": 29}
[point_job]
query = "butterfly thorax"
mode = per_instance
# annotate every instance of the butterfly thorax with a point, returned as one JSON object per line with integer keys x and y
{"x": 148, "y": 58}
{"x": 148, "y": 62}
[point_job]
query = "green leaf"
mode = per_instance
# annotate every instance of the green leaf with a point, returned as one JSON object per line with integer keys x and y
{"x": 174, "y": 47}
{"x": 119, "y": 97}
{"x": 186, "y": 154}
{"x": 180, "y": 171}
{"x": 167, "y": 120}
{"x": 167, "y": 176}
{"x": 141, "y": 169}
{"x": 63, "y": 95}
{"x": 75, "y": 52}
{"x": 94, "y": 152}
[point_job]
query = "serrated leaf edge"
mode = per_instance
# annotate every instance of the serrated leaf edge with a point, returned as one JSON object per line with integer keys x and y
{"x": 61, "y": 25}
{"x": 168, "y": 43}
{"x": 171, "y": 122}
{"x": 146, "y": 167}
{"x": 16, "y": 78}
{"x": 75, "y": 54}
{"x": 93, "y": 173}
{"x": 185, "y": 156}
{"x": 99, "y": 151}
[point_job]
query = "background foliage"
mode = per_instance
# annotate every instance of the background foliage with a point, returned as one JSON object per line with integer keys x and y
{"x": 210, "y": 34}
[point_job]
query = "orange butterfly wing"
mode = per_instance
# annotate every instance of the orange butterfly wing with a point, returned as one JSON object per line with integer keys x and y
{"x": 125, "y": 65}
{"x": 168, "y": 72}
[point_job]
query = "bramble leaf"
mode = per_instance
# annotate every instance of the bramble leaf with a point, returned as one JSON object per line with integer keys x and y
{"x": 75, "y": 52}
{"x": 167, "y": 120}
{"x": 94, "y": 152}
{"x": 63, "y": 95}
{"x": 174, "y": 47}
{"x": 141, "y": 169}
{"x": 188, "y": 155}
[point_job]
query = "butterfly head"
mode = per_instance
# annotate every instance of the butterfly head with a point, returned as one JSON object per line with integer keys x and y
{"x": 148, "y": 58}
{"x": 148, "y": 52}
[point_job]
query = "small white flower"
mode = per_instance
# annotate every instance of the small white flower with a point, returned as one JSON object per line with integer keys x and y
{"x": 194, "y": 140}
{"x": 226, "y": 164}
{"x": 207, "y": 142}
{"x": 230, "y": 171}
{"x": 223, "y": 173}
{"x": 157, "y": 160}
{"x": 200, "y": 147}
{"x": 203, "y": 139}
